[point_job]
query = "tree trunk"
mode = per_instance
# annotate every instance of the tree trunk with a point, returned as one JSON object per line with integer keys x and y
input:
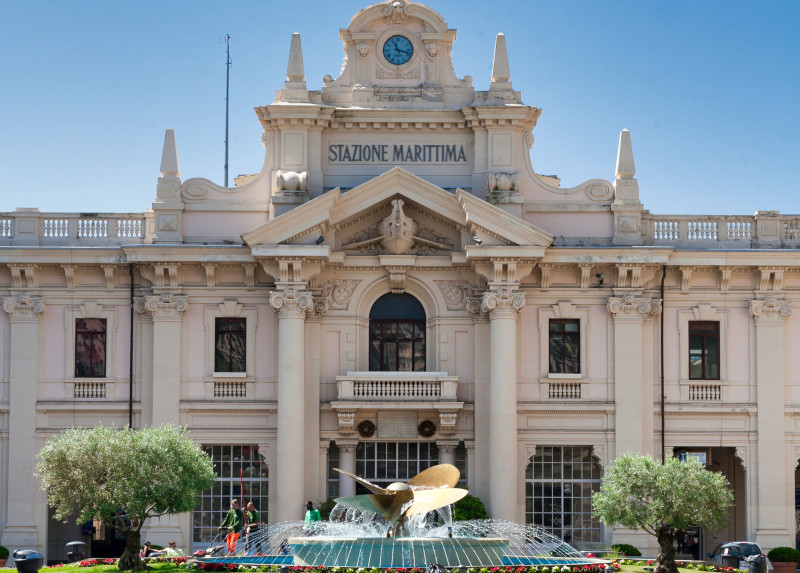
{"x": 666, "y": 550}
{"x": 130, "y": 559}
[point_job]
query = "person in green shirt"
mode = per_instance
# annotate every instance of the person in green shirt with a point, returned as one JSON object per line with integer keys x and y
{"x": 253, "y": 523}
{"x": 233, "y": 522}
{"x": 312, "y": 517}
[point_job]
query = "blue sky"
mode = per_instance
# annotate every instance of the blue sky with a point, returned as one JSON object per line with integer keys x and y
{"x": 709, "y": 89}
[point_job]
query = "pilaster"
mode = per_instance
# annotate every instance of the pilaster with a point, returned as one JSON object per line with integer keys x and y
{"x": 23, "y": 311}
{"x": 166, "y": 310}
{"x": 312, "y": 353}
{"x": 775, "y": 526}
{"x": 478, "y": 452}
{"x": 633, "y": 385}
{"x": 347, "y": 461}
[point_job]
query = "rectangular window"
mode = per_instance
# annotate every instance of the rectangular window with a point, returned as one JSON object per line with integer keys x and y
{"x": 704, "y": 350}
{"x": 90, "y": 348}
{"x": 230, "y": 345}
{"x": 235, "y": 466}
{"x": 565, "y": 344}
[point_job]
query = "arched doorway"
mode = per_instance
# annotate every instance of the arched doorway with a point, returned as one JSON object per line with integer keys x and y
{"x": 397, "y": 334}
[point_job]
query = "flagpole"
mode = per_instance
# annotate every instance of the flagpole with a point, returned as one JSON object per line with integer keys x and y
{"x": 227, "y": 94}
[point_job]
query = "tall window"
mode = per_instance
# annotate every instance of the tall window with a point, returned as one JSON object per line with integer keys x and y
{"x": 565, "y": 345}
{"x": 704, "y": 350}
{"x": 559, "y": 483}
{"x": 230, "y": 345}
{"x": 90, "y": 348}
{"x": 397, "y": 334}
{"x": 229, "y": 461}
{"x": 333, "y": 475}
{"x": 386, "y": 462}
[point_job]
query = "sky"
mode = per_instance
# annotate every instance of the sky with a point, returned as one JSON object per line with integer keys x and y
{"x": 708, "y": 88}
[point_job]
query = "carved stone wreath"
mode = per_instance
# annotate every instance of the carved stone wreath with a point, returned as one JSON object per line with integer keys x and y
{"x": 366, "y": 429}
{"x": 426, "y": 429}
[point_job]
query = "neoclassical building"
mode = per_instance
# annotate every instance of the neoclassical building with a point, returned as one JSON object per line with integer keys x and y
{"x": 397, "y": 288}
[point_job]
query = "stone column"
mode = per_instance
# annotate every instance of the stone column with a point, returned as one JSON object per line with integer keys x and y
{"x": 291, "y": 302}
{"x": 633, "y": 384}
{"x": 775, "y": 525}
{"x": 470, "y": 465}
{"x": 166, "y": 310}
{"x": 23, "y": 316}
{"x": 503, "y": 304}
{"x": 324, "y": 446}
{"x": 447, "y": 451}
{"x": 347, "y": 462}
{"x": 312, "y": 397}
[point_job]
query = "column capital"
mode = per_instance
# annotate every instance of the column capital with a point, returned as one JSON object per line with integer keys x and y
{"x": 319, "y": 306}
{"x": 447, "y": 445}
{"x": 632, "y": 308}
{"x": 166, "y": 306}
{"x": 23, "y": 307}
{"x": 770, "y": 310}
{"x": 503, "y": 302}
{"x": 347, "y": 445}
{"x": 291, "y": 301}
{"x": 474, "y": 305}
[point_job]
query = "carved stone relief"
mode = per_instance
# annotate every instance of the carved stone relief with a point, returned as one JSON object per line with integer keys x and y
{"x": 411, "y": 74}
{"x": 291, "y": 181}
{"x": 396, "y": 12}
{"x": 455, "y": 293}
{"x": 338, "y": 292}
{"x": 770, "y": 310}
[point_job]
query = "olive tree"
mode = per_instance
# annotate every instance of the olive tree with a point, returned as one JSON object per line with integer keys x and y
{"x": 639, "y": 492}
{"x": 123, "y": 476}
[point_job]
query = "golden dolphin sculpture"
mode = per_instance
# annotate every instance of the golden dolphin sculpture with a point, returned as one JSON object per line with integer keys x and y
{"x": 427, "y": 491}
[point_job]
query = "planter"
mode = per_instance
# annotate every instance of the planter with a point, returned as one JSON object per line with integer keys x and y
{"x": 784, "y": 566}
{"x": 3, "y": 563}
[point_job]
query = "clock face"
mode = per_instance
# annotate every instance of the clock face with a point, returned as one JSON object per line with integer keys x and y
{"x": 398, "y": 50}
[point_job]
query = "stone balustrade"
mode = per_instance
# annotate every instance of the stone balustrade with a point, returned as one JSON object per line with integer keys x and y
{"x": 765, "y": 229}
{"x": 31, "y": 227}
{"x": 397, "y": 386}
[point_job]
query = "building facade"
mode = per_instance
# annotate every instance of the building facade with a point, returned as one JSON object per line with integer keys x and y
{"x": 397, "y": 288}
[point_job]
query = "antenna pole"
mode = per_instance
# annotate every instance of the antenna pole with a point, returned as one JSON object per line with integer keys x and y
{"x": 227, "y": 94}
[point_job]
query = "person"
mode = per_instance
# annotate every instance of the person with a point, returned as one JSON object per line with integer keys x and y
{"x": 233, "y": 522}
{"x": 253, "y": 522}
{"x": 172, "y": 550}
{"x": 148, "y": 551}
{"x": 312, "y": 517}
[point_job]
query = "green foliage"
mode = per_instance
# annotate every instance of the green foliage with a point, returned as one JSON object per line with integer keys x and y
{"x": 469, "y": 507}
{"x": 784, "y": 555}
{"x": 325, "y": 508}
{"x": 626, "y": 550}
{"x": 640, "y": 493}
{"x": 122, "y": 477}
{"x": 3, "y": 552}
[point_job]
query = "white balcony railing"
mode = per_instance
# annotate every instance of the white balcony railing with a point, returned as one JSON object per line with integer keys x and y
{"x": 397, "y": 386}
{"x": 30, "y": 227}
{"x": 765, "y": 229}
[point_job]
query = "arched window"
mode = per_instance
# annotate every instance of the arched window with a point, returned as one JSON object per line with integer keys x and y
{"x": 397, "y": 334}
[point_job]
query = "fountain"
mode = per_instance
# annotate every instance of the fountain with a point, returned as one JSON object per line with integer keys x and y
{"x": 395, "y": 527}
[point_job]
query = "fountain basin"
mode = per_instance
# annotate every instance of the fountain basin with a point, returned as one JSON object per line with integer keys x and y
{"x": 405, "y": 552}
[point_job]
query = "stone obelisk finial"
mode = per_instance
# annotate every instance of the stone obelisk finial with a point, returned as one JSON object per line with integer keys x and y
{"x": 500, "y": 71}
{"x": 626, "y": 168}
{"x": 169, "y": 155}
{"x": 294, "y": 88}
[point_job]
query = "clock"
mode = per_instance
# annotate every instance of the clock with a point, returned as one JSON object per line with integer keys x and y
{"x": 398, "y": 50}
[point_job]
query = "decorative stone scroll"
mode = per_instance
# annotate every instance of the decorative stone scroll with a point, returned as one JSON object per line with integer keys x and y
{"x": 455, "y": 293}
{"x": 770, "y": 310}
{"x": 338, "y": 292}
{"x": 291, "y": 181}
{"x": 447, "y": 421}
{"x": 396, "y": 12}
{"x": 291, "y": 302}
{"x": 503, "y": 302}
{"x": 23, "y": 307}
{"x": 166, "y": 305}
{"x": 630, "y": 308}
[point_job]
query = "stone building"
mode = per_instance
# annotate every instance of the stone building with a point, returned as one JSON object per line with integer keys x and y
{"x": 397, "y": 287}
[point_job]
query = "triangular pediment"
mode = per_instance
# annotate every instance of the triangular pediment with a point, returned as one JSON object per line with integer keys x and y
{"x": 395, "y": 211}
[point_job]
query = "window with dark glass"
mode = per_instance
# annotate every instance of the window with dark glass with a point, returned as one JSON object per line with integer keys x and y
{"x": 230, "y": 345}
{"x": 90, "y": 348}
{"x": 704, "y": 350}
{"x": 565, "y": 346}
{"x": 397, "y": 334}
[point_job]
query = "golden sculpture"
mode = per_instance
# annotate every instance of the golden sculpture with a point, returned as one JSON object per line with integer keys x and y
{"x": 427, "y": 491}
